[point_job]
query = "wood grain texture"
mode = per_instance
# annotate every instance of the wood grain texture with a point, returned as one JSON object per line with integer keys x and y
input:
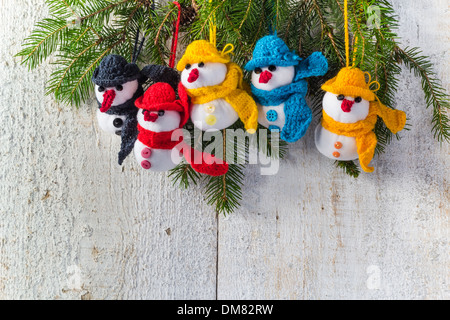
{"x": 74, "y": 225}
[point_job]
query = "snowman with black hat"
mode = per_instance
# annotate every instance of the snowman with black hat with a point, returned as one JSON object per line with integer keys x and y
{"x": 118, "y": 84}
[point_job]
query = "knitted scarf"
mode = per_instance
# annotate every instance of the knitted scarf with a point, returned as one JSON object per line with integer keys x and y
{"x": 157, "y": 140}
{"x": 366, "y": 140}
{"x": 279, "y": 95}
{"x": 232, "y": 91}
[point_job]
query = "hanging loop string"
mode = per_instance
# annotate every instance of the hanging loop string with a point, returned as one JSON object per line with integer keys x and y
{"x": 175, "y": 37}
{"x": 229, "y": 48}
{"x": 212, "y": 28}
{"x": 347, "y": 37}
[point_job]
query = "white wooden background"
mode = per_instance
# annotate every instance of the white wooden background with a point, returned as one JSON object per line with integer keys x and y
{"x": 74, "y": 225}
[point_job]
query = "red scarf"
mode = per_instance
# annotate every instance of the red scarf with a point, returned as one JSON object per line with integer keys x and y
{"x": 157, "y": 140}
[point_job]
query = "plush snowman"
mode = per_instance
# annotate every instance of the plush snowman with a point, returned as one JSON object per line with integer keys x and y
{"x": 345, "y": 110}
{"x": 350, "y": 113}
{"x": 215, "y": 86}
{"x": 158, "y": 146}
{"x": 117, "y": 86}
{"x": 279, "y": 88}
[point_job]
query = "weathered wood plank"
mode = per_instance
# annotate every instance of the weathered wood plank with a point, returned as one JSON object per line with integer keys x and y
{"x": 73, "y": 223}
{"x": 311, "y": 232}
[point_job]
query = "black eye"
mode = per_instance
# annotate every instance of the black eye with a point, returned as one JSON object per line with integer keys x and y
{"x": 118, "y": 122}
{"x": 272, "y": 68}
{"x": 161, "y": 113}
{"x": 358, "y": 99}
{"x": 119, "y": 88}
{"x": 188, "y": 66}
{"x": 201, "y": 65}
{"x": 341, "y": 97}
{"x": 101, "y": 89}
{"x": 258, "y": 70}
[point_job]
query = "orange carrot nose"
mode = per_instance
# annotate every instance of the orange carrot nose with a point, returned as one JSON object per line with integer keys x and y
{"x": 108, "y": 99}
{"x": 265, "y": 77}
{"x": 347, "y": 105}
{"x": 193, "y": 76}
{"x": 150, "y": 116}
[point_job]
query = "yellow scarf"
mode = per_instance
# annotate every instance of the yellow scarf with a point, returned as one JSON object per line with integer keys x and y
{"x": 232, "y": 89}
{"x": 366, "y": 140}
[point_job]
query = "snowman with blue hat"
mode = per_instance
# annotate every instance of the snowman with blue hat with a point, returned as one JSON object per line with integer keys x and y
{"x": 279, "y": 86}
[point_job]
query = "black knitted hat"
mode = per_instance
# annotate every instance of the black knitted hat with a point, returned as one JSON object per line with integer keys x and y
{"x": 115, "y": 70}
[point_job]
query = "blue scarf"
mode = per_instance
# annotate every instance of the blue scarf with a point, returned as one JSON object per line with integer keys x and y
{"x": 279, "y": 95}
{"x": 298, "y": 114}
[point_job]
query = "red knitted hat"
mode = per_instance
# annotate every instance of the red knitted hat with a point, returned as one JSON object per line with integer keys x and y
{"x": 161, "y": 96}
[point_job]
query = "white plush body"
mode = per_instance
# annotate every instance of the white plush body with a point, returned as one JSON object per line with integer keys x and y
{"x": 160, "y": 159}
{"x": 212, "y": 116}
{"x": 106, "y": 121}
{"x": 326, "y": 140}
{"x": 217, "y": 114}
{"x": 279, "y": 77}
{"x": 262, "y": 116}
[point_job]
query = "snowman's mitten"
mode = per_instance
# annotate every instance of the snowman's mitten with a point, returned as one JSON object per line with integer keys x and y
{"x": 158, "y": 73}
{"x": 298, "y": 118}
{"x": 315, "y": 65}
{"x": 129, "y": 136}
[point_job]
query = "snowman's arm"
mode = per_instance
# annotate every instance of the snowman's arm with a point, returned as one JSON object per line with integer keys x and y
{"x": 298, "y": 118}
{"x": 158, "y": 73}
{"x": 129, "y": 136}
{"x": 314, "y": 66}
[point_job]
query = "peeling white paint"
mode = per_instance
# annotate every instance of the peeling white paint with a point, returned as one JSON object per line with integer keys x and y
{"x": 74, "y": 225}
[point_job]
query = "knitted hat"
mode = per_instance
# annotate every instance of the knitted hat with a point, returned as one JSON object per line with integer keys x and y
{"x": 271, "y": 50}
{"x": 161, "y": 96}
{"x": 114, "y": 70}
{"x": 201, "y": 51}
{"x": 350, "y": 82}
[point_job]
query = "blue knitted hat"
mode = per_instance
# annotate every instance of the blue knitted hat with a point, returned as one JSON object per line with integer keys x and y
{"x": 271, "y": 50}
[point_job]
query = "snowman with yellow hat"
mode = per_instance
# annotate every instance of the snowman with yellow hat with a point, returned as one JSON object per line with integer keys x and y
{"x": 350, "y": 113}
{"x": 215, "y": 86}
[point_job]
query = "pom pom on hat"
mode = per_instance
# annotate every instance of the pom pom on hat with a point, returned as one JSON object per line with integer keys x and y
{"x": 115, "y": 70}
{"x": 271, "y": 50}
{"x": 350, "y": 82}
{"x": 202, "y": 51}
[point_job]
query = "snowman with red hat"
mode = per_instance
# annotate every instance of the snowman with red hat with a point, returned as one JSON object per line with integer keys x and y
{"x": 117, "y": 86}
{"x": 159, "y": 118}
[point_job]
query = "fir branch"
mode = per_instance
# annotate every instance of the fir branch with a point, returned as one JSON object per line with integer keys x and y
{"x": 349, "y": 168}
{"x": 435, "y": 95}
{"x": 184, "y": 175}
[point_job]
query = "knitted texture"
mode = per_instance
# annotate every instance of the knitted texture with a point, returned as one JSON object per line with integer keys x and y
{"x": 366, "y": 140}
{"x": 233, "y": 90}
{"x": 271, "y": 50}
{"x": 114, "y": 70}
{"x": 161, "y": 96}
{"x": 201, "y": 51}
{"x": 350, "y": 82}
{"x": 157, "y": 140}
{"x": 158, "y": 73}
{"x": 208, "y": 164}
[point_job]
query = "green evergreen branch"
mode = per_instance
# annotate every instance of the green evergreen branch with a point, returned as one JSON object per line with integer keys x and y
{"x": 435, "y": 95}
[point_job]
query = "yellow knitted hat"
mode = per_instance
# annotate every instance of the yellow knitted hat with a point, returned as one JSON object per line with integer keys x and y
{"x": 350, "y": 82}
{"x": 202, "y": 51}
